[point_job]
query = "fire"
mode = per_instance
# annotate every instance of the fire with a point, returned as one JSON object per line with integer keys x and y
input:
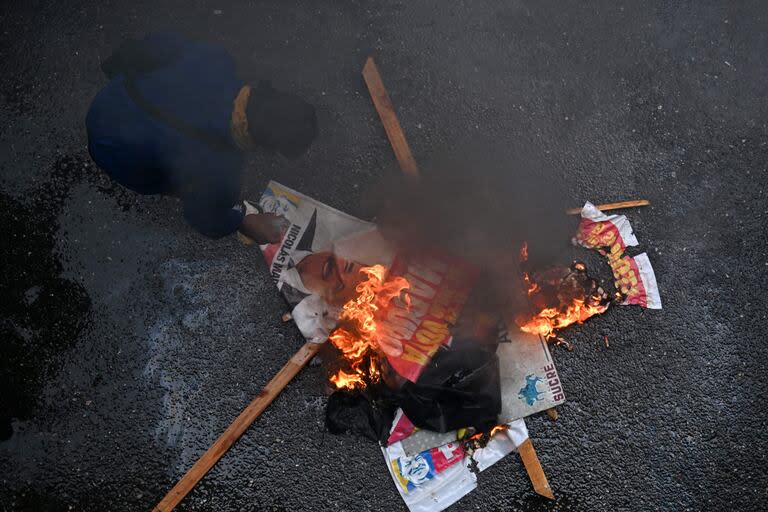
{"x": 530, "y": 285}
{"x": 564, "y": 297}
{"x": 346, "y": 380}
{"x": 498, "y": 428}
{"x": 548, "y": 320}
{"x": 356, "y": 336}
{"x": 480, "y": 439}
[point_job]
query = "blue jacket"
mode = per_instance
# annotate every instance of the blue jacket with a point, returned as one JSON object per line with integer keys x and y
{"x": 198, "y": 85}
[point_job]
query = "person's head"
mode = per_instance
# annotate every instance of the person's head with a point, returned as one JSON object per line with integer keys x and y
{"x": 329, "y": 276}
{"x": 280, "y": 121}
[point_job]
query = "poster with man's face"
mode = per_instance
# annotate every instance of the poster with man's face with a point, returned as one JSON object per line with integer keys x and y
{"x": 316, "y": 265}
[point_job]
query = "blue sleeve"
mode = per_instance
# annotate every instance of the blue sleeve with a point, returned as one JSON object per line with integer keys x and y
{"x": 210, "y": 210}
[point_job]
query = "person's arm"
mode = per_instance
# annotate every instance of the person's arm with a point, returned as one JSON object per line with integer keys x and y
{"x": 264, "y": 228}
{"x": 208, "y": 195}
{"x": 217, "y": 222}
{"x": 210, "y": 211}
{"x": 212, "y": 222}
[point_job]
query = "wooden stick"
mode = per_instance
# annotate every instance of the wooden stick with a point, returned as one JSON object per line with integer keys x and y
{"x": 534, "y": 469}
{"x": 612, "y": 206}
{"x": 408, "y": 166}
{"x": 238, "y": 427}
{"x": 389, "y": 119}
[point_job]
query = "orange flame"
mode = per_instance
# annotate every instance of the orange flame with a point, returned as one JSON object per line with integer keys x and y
{"x": 498, "y": 428}
{"x": 482, "y": 435}
{"x": 531, "y": 286}
{"x": 550, "y": 319}
{"x": 346, "y": 380}
{"x": 356, "y": 337}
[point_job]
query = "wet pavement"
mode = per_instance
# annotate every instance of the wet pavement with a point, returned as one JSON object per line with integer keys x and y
{"x": 130, "y": 342}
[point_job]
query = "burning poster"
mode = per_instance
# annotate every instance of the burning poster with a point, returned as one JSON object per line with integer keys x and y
{"x": 382, "y": 310}
{"x": 610, "y": 236}
{"x": 435, "y": 478}
{"x": 317, "y": 267}
{"x": 438, "y": 288}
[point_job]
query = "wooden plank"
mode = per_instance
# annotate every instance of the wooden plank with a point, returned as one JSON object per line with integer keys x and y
{"x": 534, "y": 469}
{"x": 613, "y": 206}
{"x": 389, "y": 119}
{"x": 238, "y": 427}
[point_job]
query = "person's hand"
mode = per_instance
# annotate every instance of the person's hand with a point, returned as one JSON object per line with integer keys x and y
{"x": 264, "y": 228}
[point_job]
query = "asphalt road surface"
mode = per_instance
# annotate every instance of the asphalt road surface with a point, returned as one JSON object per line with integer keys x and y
{"x": 129, "y": 342}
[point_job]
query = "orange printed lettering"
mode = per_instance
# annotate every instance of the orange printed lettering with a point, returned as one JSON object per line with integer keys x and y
{"x": 426, "y": 273}
{"x": 420, "y": 288}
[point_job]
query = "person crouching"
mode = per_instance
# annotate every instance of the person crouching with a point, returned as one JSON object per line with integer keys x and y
{"x": 175, "y": 119}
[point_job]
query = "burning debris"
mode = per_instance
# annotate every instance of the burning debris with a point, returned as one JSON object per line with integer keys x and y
{"x": 425, "y": 455}
{"x": 610, "y": 235}
{"x": 560, "y": 297}
{"x": 422, "y": 369}
{"x": 357, "y": 336}
{"x": 414, "y": 372}
{"x": 400, "y": 327}
{"x": 481, "y": 439}
{"x": 434, "y": 477}
{"x": 444, "y": 400}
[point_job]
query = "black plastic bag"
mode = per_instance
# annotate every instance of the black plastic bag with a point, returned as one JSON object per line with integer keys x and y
{"x": 361, "y": 413}
{"x": 459, "y": 388}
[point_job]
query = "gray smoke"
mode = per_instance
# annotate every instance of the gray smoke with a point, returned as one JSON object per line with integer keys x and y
{"x": 480, "y": 209}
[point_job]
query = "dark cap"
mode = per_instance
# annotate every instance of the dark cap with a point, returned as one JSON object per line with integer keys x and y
{"x": 281, "y": 121}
